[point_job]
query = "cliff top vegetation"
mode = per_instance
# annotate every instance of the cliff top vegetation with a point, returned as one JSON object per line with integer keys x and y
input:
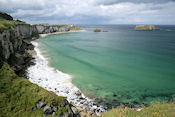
{"x": 19, "y": 96}
{"x": 5, "y": 24}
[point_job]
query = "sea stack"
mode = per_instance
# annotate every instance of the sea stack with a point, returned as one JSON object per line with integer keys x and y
{"x": 97, "y": 30}
{"x": 146, "y": 27}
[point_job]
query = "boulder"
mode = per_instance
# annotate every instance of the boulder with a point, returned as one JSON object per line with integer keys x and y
{"x": 75, "y": 111}
{"x": 78, "y": 93}
{"x": 48, "y": 110}
{"x": 41, "y": 104}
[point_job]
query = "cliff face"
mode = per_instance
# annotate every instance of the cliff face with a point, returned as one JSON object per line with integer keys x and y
{"x": 15, "y": 42}
{"x": 19, "y": 96}
{"x": 50, "y": 29}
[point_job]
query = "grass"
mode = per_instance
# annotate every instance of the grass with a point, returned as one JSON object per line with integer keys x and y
{"x": 74, "y": 28}
{"x": 6, "y": 24}
{"x": 18, "y": 96}
{"x": 156, "y": 110}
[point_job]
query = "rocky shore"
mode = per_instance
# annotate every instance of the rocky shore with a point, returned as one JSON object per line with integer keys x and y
{"x": 60, "y": 83}
{"x": 17, "y": 49}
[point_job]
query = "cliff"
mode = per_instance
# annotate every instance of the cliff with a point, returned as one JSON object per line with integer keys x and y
{"x": 145, "y": 27}
{"x": 5, "y": 16}
{"x": 15, "y": 42}
{"x": 19, "y": 97}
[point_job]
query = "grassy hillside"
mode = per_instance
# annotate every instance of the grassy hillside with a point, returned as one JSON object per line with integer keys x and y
{"x": 5, "y": 24}
{"x": 18, "y": 96}
{"x": 156, "y": 110}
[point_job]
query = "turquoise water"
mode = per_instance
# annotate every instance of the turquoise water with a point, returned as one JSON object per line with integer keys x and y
{"x": 119, "y": 66}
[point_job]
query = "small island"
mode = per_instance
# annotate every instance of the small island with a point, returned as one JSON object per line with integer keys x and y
{"x": 97, "y": 30}
{"x": 146, "y": 27}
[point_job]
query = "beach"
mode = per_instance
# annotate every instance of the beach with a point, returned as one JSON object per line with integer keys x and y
{"x": 60, "y": 83}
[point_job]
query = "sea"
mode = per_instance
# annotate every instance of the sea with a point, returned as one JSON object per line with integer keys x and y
{"x": 118, "y": 65}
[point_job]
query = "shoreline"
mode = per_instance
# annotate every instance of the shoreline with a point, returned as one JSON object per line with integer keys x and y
{"x": 55, "y": 33}
{"x": 60, "y": 83}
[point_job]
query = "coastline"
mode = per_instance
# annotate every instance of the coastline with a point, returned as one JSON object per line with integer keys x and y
{"x": 60, "y": 83}
{"x": 55, "y": 33}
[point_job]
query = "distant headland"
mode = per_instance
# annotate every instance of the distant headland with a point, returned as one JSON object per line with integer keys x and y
{"x": 146, "y": 27}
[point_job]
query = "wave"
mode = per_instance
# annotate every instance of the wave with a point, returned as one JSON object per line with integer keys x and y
{"x": 169, "y": 30}
{"x": 54, "y": 80}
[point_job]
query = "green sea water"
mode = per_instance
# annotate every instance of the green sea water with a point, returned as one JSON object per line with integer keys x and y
{"x": 118, "y": 66}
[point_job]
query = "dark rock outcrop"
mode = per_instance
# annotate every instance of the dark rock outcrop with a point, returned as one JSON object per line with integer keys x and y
{"x": 5, "y": 16}
{"x": 53, "y": 110}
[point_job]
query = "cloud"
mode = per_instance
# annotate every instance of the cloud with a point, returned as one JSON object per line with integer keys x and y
{"x": 91, "y": 11}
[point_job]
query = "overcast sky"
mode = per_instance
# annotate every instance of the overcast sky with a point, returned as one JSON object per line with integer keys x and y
{"x": 91, "y": 11}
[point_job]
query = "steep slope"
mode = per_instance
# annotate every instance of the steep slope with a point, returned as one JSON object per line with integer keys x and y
{"x": 18, "y": 96}
{"x": 21, "y": 98}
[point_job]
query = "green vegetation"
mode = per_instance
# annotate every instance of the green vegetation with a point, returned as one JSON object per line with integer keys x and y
{"x": 6, "y": 24}
{"x": 74, "y": 28}
{"x": 18, "y": 96}
{"x": 156, "y": 110}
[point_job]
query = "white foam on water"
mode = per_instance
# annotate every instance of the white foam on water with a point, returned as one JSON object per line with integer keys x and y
{"x": 60, "y": 83}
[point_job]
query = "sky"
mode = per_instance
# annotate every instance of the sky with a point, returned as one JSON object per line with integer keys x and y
{"x": 91, "y": 11}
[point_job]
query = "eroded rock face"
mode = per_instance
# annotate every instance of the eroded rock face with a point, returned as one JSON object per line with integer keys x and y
{"x": 15, "y": 43}
{"x": 44, "y": 29}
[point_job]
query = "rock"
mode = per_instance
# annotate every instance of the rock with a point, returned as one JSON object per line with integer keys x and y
{"x": 70, "y": 114}
{"x": 54, "y": 109}
{"x": 82, "y": 101}
{"x": 97, "y": 30}
{"x": 75, "y": 111}
{"x": 78, "y": 93}
{"x": 64, "y": 103}
{"x": 115, "y": 95}
{"x": 81, "y": 98}
{"x": 48, "y": 110}
{"x": 5, "y": 16}
{"x": 34, "y": 108}
{"x": 58, "y": 107}
{"x": 41, "y": 104}
{"x": 53, "y": 114}
{"x": 90, "y": 113}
